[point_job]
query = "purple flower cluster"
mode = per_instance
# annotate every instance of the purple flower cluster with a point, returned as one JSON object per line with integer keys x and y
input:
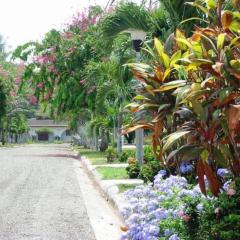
{"x": 186, "y": 168}
{"x": 150, "y": 204}
{"x": 222, "y": 172}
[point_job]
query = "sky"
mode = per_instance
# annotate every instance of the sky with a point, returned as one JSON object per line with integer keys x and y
{"x": 25, "y": 20}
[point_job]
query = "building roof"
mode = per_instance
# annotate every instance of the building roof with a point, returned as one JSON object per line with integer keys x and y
{"x": 33, "y": 122}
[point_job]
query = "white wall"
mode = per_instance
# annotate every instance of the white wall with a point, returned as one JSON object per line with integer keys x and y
{"x": 56, "y": 132}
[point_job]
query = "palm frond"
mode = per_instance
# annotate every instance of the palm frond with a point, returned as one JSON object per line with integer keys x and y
{"x": 126, "y": 16}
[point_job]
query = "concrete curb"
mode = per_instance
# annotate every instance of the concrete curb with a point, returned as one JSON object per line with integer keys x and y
{"x": 108, "y": 188}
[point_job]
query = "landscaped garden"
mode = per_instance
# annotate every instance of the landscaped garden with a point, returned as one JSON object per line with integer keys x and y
{"x": 172, "y": 69}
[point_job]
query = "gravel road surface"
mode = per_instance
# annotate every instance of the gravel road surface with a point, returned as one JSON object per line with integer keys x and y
{"x": 40, "y": 197}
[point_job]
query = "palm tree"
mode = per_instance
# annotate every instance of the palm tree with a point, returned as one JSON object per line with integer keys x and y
{"x": 159, "y": 22}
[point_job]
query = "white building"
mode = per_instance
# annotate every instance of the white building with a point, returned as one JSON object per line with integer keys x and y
{"x": 48, "y": 130}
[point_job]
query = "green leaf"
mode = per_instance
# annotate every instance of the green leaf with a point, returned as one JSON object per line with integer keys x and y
{"x": 172, "y": 138}
{"x": 204, "y": 155}
{"x": 184, "y": 41}
{"x": 134, "y": 105}
{"x": 188, "y": 152}
{"x": 198, "y": 109}
{"x": 205, "y": 10}
{"x": 211, "y": 4}
{"x": 235, "y": 26}
{"x": 220, "y": 40}
{"x": 165, "y": 59}
{"x": 163, "y": 106}
{"x": 158, "y": 45}
{"x": 171, "y": 85}
{"x": 141, "y": 97}
{"x": 175, "y": 57}
{"x": 148, "y": 105}
{"x": 163, "y": 56}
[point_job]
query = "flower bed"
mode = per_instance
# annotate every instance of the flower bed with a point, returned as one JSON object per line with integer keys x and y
{"x": 173, "y": 209}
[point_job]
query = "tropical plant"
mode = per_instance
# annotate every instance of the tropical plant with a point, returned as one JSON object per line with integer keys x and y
{"x": 191, "y": 96}
{"x": 111, "y": 154}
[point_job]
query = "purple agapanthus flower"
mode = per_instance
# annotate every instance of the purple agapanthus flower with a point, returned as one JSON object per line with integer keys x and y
{"x": 186, "y": 168}
{"x": 222, "y": 172}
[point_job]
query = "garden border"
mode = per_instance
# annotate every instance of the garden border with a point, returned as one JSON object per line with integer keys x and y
{"x": 108, "y": 188}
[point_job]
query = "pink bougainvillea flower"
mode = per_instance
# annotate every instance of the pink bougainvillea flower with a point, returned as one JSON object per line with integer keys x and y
{"x": 17, "y": 80}
{"x": 181, "y": 214}
{"x": 47, "y": 96}
{"x": 40, "y": 86}
{"x": 231, "y": 192}
{"x": 186, "y": 218}
{"x": 82, "y": 81}
{"x": 52, "y": 69}
{"x": 33, "y": 100}
{"x": 91, "y": 90}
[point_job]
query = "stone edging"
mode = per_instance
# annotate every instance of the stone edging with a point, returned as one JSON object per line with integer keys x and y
{"x": 107, "y": 187}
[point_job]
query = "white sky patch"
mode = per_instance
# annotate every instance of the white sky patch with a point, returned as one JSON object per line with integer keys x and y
{"x": 24, "y": 20}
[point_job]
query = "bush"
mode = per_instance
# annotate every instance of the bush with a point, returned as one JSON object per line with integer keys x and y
{"x": 171, "y": 209}
{"x": 149, "y": 170}
{"x": 133, "y": 169}
{"x": 221, "y": 216}
{"x": 149, "y": 154}
{"x": 125, "y": 155}
{"x": 111, "y": 154}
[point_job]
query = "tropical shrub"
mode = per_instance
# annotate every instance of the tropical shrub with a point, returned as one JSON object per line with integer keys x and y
{"x": 149, "y": 170}
{"x": 221, "y": 216}
{"x": 148, "y": 154}
{"x": 133, "y": 168}
{"x": 189, "y": 96}
{"x": 126, "y": 154}
{"x": 111, "y": 154}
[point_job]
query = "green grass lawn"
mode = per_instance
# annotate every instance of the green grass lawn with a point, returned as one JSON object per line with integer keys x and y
{"x": 110, "y": 173}
{"x": 125, "y": 187}
{"x": 95, "y": 157}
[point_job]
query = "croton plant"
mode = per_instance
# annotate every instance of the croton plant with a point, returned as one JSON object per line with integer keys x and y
{"x": 189, "y": 94}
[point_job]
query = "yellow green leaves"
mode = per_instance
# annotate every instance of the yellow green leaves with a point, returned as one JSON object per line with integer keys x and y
{"x": 163, "y": 56}
{"x": 235, "y": 64}
{"x": 196, "y": 87}
{"x": 204, "y": 155}
{"x": 141, "y": 98}
{"x": 220, "y": 40}
{"x": 158, "y": 45}
{"x": 211, "y": 4}
{"x": 203, "y": 9}
{"x": 182, "y": 41}
{"x": 175, "y": 57}
{"x": 171, "y": 85}
{"x": 172, "y": 138}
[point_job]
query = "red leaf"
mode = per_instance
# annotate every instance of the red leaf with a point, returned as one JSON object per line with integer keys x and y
{"x": 201, "y": 173}
{"x": 214, "y": 184}
{"x": 131, "y": 129}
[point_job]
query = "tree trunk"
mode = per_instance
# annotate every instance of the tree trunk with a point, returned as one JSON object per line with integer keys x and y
{"x": 3, "y": 137}
{"x": 119, "y": 133}
{"x": 104, "y": 141}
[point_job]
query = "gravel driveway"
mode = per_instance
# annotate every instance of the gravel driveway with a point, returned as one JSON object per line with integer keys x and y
{"x": 40, "y": 198}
